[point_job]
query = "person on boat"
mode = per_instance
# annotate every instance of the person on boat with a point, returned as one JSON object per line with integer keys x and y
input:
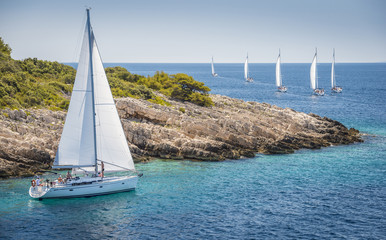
{"x": 103, "y": 170}
{"x": 68, "y": 175}
{"x": 37, "y": 181}
{"x": 60, "y": 180}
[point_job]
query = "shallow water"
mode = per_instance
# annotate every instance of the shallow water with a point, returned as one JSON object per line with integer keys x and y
{"x": 335, "y": 192}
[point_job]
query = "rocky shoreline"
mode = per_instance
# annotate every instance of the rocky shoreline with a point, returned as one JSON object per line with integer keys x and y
{"x": 231, "y": 129}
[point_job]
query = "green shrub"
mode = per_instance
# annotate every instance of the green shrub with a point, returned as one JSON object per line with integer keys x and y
{"x": 36, "y": 83}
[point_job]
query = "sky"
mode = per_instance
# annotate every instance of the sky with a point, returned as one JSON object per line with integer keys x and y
{"x": 182, "y": 31}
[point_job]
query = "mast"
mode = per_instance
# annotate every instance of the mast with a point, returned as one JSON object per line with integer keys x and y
{"x": 333, "y": 69}
{"x": 212, "y": 67}
{"x": 281, "y": 80}
{"x": 316, "y": 68}
{"x": 246, "y": 70}
{"x": 92, "y": 86}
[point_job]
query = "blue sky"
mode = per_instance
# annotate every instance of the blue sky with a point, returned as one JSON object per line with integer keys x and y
{"x": 193, "y": 31}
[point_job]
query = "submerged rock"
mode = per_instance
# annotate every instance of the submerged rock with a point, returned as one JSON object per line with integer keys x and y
{"x": 231, "y": 129}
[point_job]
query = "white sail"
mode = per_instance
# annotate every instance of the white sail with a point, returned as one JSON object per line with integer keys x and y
{"x": 313, "y": 73}
{"x": 278, "y": 72}
{"x": 333, "y": 70}
{"x": 213, "y": 73}
{"x": 82, "y": 143}
{"x": 76, "y": 147}
{"x": 246, "y": 68}
{"x": 112, "y": 146}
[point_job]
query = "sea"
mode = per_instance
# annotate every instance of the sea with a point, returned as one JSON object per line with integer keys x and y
{"x": 336, "y": 192}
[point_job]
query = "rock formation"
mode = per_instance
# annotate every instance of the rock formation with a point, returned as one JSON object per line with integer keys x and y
{"x": 232, "y": 129}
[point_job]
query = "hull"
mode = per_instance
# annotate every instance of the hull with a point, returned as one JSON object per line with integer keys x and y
{"x": 282, "y": 89}
{"x": 86, "y": 189}
{"x": 214, "y": 74}
{"x": 337, "y": 89}
{"x": 319, "y": 92}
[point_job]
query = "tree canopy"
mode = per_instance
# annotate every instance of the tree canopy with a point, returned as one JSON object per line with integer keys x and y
{"x": 36, "y": 83}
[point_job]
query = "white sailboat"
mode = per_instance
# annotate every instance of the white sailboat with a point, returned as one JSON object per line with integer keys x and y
{"x": 279, "y": 81}
{"x": 314, "y": 77}
{"x": 246, "y": 71}
{"x": 92, "y": 135}
{"x": 214, "y": 74}
{"x": 334, "y": 88}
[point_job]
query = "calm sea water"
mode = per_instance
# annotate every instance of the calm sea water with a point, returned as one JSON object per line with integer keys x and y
{"x": 336, "y": 192}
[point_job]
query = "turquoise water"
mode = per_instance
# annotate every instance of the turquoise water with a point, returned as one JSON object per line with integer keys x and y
{"x": 336, "y": 192}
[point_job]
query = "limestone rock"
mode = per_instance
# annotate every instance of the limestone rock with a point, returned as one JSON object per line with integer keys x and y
{"x": 231, "y": 129}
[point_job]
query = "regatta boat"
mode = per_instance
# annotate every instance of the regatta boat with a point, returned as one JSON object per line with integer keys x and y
{"x": 246, "y": 71}
{"x": 314, "y": 77}
{"x": 92, "y": 135}
{"x": 214, "y": 74}
{"x": 334, "y": 88}
{"x": 279, "y": 81}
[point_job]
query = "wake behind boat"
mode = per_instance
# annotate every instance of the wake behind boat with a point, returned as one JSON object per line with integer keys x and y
{"x": 279, "y": 81}
{"x": 334, "y": 88}
{"x": 92, "y": 136}
{"x": 314, "y": 77}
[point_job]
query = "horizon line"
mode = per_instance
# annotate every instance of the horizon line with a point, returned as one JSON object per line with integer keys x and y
{"x": 221, "y": 62}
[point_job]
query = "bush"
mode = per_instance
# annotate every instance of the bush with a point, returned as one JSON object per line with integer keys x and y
{"x": 36, "y": 83}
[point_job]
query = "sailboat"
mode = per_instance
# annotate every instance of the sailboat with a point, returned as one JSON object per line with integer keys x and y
{"x": 93, "y": 141}
{"x": 246, "y": 71}
{"x": 314, "y": 77}
{"x": 279, "y": 81}
{"x": 334, "y": 88}
{"x": 214, "y": 74}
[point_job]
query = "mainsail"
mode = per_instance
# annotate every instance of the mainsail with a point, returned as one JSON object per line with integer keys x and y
{"x": 213, "y": 73}
{"x": 278, "y": 71}
{"x": 313, "y": 73}
{"x": 93, "y": 130}
{"x": 246, "y": 68}
{"x": 333, "y": 70}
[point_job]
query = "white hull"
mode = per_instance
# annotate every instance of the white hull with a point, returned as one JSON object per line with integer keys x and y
{"x": 282, "y": 89}
{"x": 249, "y": 79}
{"x": 337, "y": 89}
{"x": 86, "y": 188}
{"x": 319, "y": 92}
{"x": 214, "y": 74}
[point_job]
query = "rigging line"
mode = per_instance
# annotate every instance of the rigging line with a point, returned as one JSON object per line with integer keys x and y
{"x": 117, "y": 165}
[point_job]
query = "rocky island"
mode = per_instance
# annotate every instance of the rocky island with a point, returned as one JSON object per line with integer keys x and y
{"x": 163, "y": 116}
{"x": 231, "y": 129}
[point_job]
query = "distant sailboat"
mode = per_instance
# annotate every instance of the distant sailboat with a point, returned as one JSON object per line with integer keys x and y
{"x": 92, "y": 135}
{"x": 279, "y": 83}
{"x": 214, "y": 74}
{"x": 246, "y": 71}
{"x": 314, "y": 77}
{"x": 334, "y": 88}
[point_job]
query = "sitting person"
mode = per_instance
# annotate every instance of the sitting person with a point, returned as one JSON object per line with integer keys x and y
{"x": 60, "y": 180}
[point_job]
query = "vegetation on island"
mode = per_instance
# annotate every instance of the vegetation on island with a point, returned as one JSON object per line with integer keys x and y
{"x": 43, "y": 84}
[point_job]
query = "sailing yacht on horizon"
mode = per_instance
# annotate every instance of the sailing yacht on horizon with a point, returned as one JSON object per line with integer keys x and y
{"x": 334, "y": 88}
{"x": 247, "y": 77}
{"x": 314, "y": 76}
{"x": 279, "y": 81}
{"x": 214, "y": 74}
{"x": 92, "y": 135}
